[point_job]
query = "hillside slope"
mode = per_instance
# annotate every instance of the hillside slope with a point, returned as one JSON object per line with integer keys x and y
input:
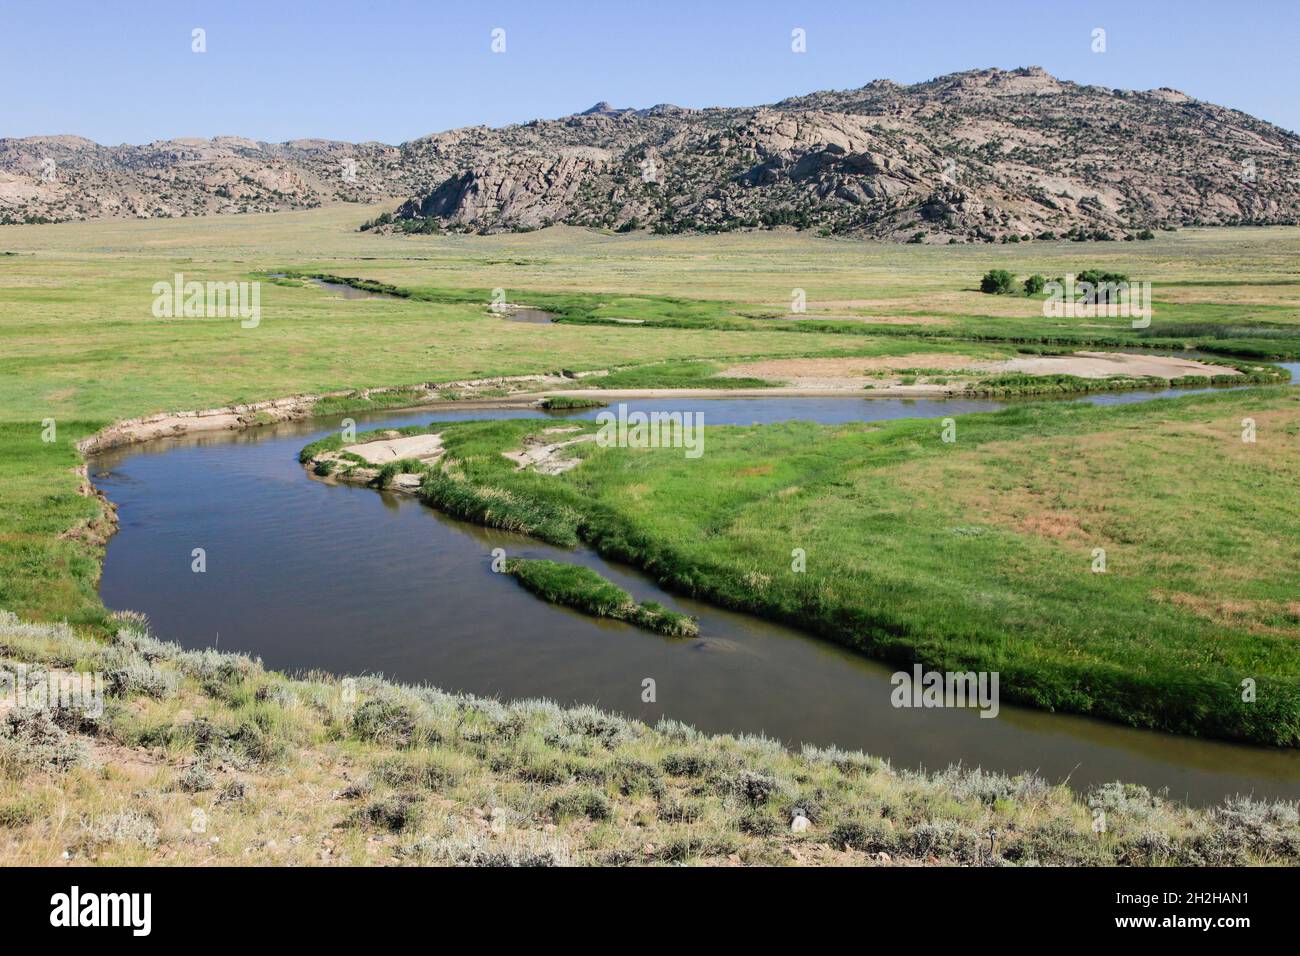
{"x": 976, "y": 156}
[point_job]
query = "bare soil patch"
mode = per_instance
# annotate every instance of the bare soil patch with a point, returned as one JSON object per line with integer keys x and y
{"x": 840, "y": 372}
{"x": 548, "y": 458}
{"x": 1104, "y": 365}
{"x": 424, "y": 447}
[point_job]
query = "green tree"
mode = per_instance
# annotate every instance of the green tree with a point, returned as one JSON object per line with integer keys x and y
{"x": 997, "y": 282}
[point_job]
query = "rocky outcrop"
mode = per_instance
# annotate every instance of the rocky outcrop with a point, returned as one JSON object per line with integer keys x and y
{"x": 529, "y": 191}
{"x": 975, "y": 156}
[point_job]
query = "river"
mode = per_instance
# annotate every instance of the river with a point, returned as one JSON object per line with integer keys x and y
{"x": 309, "y": 575}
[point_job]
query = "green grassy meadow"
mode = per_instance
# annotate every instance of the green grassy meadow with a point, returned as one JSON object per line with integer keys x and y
{"x": 81, "y": 342}
{"x": 974, "y": 554}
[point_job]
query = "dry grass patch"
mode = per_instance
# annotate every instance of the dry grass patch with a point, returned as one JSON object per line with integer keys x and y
{"x": 373, "y": 773}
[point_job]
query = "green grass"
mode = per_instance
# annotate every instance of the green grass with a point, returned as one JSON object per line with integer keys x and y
{"x": 77, "y": 305}
{"x": 557, "y": 402}
{"x": 81, "y": 347}
{"x": 585, "y": 590}
{"x": 674, "y": 375}
{"x": 494, "y": 508}
{"x": 1021, "y": 384}
{"x": 44, "y": 570}
{"x": 994, "y": 573}
{"x": 81, "y": 342}
{"x": 1014, "y": 383}
{"x": 402, "y": 466}
{"x": 374, "y": 401}
{"x": 1264, "y": 332}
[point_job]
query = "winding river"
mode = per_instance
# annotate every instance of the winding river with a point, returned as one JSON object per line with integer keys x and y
{"x": 309, "y": 575}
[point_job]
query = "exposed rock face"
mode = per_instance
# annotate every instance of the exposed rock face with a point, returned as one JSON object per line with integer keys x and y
{"x": 981, "y": 155}
{"x": 66, "y": 177}
{"x": 530, "y": 191}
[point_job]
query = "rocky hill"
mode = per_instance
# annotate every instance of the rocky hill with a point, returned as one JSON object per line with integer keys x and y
{"x": 981, "y": 155}
{"x": 68, "y": 177}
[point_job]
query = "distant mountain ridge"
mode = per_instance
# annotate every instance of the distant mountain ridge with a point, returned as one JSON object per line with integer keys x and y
{"x": 981, "y": 155}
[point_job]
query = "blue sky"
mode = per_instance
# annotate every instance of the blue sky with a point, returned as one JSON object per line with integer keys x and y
{"x": 124, "y": 71}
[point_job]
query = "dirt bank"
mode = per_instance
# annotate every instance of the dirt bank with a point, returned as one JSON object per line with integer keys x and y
{"x": 131, "y": 431}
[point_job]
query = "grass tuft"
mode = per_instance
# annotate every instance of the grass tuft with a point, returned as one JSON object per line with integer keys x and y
{"x": 585, "y": 590}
